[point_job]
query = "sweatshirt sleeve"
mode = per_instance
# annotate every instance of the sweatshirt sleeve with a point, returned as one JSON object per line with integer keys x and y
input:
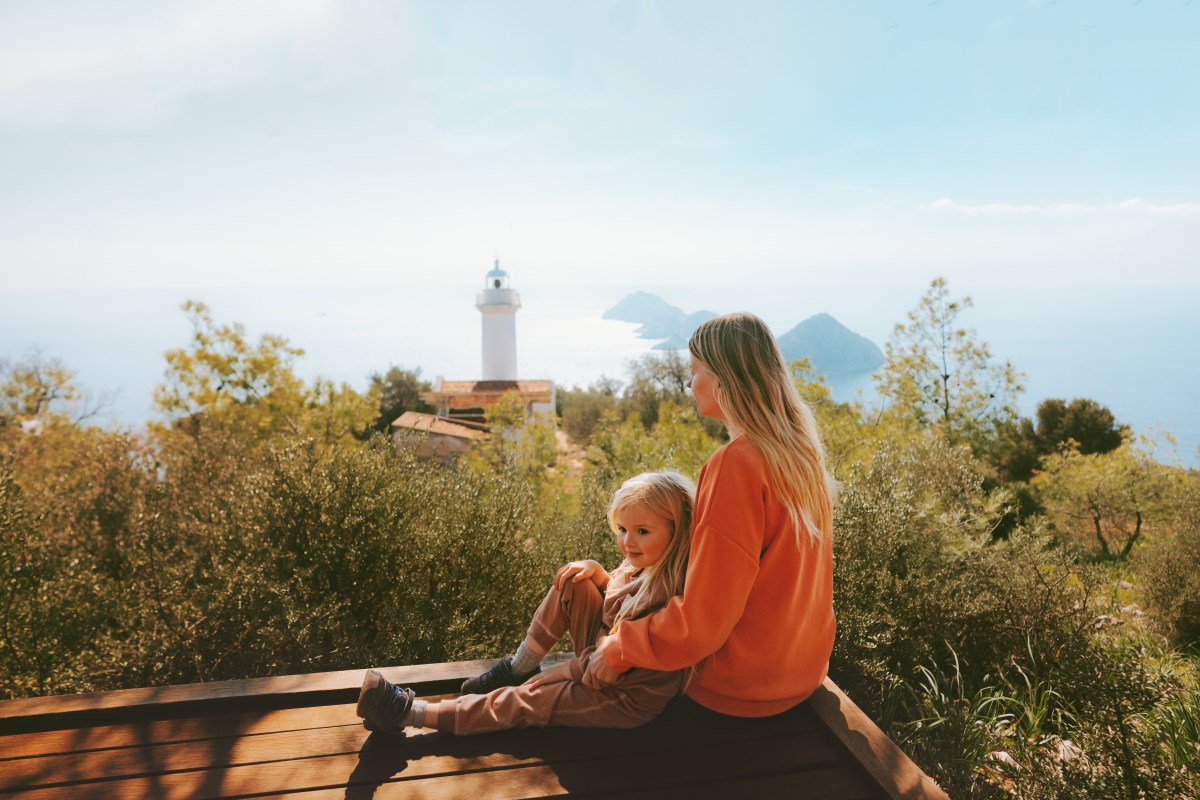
{"x": 727, "y": 538}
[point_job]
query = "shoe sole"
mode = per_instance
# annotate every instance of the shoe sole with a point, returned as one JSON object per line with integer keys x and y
{"x": 371, "y": 682}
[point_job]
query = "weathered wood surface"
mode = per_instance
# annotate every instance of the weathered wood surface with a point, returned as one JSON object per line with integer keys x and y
{"x": 186, "y": 742}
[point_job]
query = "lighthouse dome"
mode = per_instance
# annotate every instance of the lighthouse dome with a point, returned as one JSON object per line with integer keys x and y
{"x": 496, "y": 277}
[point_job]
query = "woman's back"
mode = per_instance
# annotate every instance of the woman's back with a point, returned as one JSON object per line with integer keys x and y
{"x": 777, "y": 651}
{"x": 757, "y": 609}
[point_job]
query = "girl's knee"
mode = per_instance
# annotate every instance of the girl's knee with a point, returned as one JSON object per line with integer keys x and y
{"x": 582, "y": 593}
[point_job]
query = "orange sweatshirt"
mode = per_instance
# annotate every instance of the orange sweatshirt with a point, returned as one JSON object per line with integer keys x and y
{"x": 756, "y": 611}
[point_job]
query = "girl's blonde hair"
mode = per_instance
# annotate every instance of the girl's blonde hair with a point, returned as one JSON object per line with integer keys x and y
{"x": 758, "y": 397}
{"x": 671, "y": 496}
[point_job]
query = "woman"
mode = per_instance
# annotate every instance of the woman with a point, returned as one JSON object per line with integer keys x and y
{"x": 756, "y": 614}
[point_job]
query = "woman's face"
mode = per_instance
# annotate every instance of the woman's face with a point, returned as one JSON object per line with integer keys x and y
{"x": 704, "y": 389}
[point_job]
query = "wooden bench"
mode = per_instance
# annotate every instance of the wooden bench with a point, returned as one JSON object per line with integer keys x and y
{"x": 297, "y": 737}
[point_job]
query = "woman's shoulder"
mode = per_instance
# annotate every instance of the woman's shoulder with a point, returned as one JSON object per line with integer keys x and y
{"x": 737, "y": 468}
{"x": 737, "y": 453}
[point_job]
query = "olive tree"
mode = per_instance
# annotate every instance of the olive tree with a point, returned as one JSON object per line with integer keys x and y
{"x": 943, "y": 376}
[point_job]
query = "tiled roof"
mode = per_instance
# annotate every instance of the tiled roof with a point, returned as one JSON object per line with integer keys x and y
{"x": 428, "y": 423}
{"x": 471, "y": 394}
{"x": 493, "y": 387}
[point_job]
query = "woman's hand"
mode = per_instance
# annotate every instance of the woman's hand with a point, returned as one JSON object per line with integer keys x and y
{"x": 598, "y": 674}
{"x": 578, "y": 571}
{"x": 557, "y": 673}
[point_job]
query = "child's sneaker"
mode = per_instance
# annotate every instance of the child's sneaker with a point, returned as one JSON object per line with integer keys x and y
{"x": 382, "y": 704}
{"x": 497, "y": 677}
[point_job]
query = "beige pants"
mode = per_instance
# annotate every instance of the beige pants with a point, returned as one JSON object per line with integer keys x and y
{"x": 636, "y": 698}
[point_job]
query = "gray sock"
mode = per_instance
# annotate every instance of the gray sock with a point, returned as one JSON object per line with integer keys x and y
{"x": 526, "y": 660}
{"x": 415, "y": 718}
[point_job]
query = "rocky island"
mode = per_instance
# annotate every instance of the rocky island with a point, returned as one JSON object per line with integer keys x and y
{"x": 835, "y": 350}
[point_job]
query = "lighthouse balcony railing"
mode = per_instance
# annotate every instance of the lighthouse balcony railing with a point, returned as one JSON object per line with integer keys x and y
{"x": 497, "y": 297}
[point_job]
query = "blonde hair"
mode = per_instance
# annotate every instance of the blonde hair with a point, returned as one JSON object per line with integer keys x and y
{"x": 670, "y": 496}
{"x": 758, "y": 397}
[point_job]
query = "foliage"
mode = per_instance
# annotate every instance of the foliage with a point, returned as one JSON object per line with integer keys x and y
{"x": 849, "y": 432}
{"x": 582, "y": 409}
{"x": 1108, "y": 724}
{"x": 1170, "y": 571}
{"x": 521, "y": 445}
{"x": 244, "y": 562}
{"x": 659, "y": 379}
{"x": 37, "y": 391}
{"x": 252, "y": 390}
{"x": 943, "y": 376}
{"x": 655, "y": 378}
{"x": 1091, "y": 426}
{"x": 918, "y": 574}
{"x": 1117, "y": 699}
{"x": 985, "y": 658}
{"x": 69, "y": 502}
{"x": 399, "y": 390}
{"x": 951, "y": 733}
{"x": 622, "y": 448}
{"x": 1111, "y": 498}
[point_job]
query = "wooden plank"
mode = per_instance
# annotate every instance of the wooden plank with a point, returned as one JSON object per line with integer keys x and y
{"x": 321, "y": 688}
{"x": 833, "y": 783}
{"x": 198, "y": 755}
{"x": 680, "y": 771}
{"x": 185, "y": 729}
{"x": 882, "y": 759}
{"x": 166, "y": 731}
{"x": 424, "y": 756}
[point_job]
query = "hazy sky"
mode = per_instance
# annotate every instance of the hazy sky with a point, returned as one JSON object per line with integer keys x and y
{"x": 258, "y": 142}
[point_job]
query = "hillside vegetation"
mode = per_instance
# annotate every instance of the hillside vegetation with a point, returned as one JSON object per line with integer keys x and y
{"x": 1017, "y": 599}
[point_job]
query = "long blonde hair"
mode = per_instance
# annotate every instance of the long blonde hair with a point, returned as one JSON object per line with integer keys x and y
{"x": 671, "y": 496}
{"x": 758, "y": 398}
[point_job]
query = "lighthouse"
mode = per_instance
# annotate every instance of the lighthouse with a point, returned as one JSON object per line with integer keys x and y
{"x": 498, "y": 305}
{"x": 466, "y": 402}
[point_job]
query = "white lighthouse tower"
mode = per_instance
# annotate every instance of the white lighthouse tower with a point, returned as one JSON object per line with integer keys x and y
{"x": 498, "y": 305}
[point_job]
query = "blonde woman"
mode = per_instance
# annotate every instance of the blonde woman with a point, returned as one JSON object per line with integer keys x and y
{"x": 651, "y": 516}
{"x": 756, "y": 613}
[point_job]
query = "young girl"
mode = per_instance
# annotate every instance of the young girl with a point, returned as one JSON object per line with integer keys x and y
{"x": 756, "y": 615}
{"x": 651, "y": 516}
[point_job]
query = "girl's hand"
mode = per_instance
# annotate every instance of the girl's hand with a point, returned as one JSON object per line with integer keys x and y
{"x": 559, "y": 672}
{"x": 577, "y": 571}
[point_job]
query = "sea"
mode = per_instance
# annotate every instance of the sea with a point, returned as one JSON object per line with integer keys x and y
{"x": 1131, "y": 349}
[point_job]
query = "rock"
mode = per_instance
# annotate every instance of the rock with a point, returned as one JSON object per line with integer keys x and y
{"x": 835, "y": 350}
{"x": 1004, "y": 759}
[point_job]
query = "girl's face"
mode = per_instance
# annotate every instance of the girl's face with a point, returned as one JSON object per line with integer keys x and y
{"x": 642, "y": 535}
{"x": 704, "y": 389}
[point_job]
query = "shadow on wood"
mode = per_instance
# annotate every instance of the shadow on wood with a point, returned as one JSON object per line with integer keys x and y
{"x": 297, "y": 736}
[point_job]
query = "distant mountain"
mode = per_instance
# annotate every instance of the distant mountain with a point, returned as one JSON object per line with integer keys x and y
{"x": 835, "y": 350}
{"x": 658, "y": 319}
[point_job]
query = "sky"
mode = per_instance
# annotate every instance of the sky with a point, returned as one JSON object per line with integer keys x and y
{"x": 226, "y": 143}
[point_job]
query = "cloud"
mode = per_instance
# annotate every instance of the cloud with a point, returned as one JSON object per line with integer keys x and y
{"x": 1174, "y": 210}
{"x": 1134, "y": 205}
{"x": 129, "y": 70}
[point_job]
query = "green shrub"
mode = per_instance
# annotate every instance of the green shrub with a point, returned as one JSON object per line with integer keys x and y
{"x": 1169, "y": 569}
{"x": 66, "y": 516}
{"x": 222, "y": 561}
{"x": 918, "y": 576}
